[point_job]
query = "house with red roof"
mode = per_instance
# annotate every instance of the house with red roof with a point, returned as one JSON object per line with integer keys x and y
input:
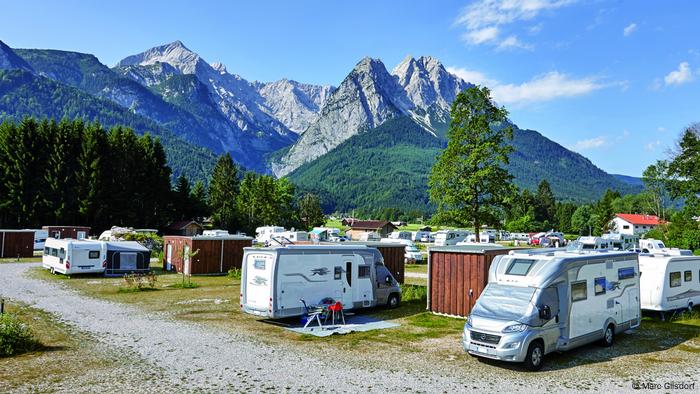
{"x": 634, "y": 224}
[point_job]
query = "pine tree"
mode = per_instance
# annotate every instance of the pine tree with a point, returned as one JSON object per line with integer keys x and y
{"x": 61, "y": 192}
{"x": 91, "y": 176}
{"x": 310, "y": 213}
{"x": 469, "y": 182}
{"x": 223, "y": 190}
{"x": 198, "y": 196}
{"x": 182, "y": 199}
{"x": 545, "y": 204}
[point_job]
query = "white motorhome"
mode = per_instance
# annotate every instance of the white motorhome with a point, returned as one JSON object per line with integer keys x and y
{"x": 418, "y": 236}
{"x": 369, "y": 237}
{"x": 70, "y": 256}
{"x": 412, "y": 255}
{"x": 541, "y": 301}
{"x": 670, "y": 280}
{"x": 592, "y": 243}
{"x": 274, "y": 281}
{"x": 294, "y": 236}
{"x": 450, "y": 237}
{"x": 40, "y": 237}
{"x": 618, "y": 241}
{"x": 651, "y": 245}
{"x": 484, "y": 238}
{"x": 263, "y": 235}
{"x": 401, "y": 235}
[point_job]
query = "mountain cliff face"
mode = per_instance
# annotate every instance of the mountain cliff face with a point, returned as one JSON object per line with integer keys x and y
{"x": 10, "y": 61}
{"x": 295, "y": 104}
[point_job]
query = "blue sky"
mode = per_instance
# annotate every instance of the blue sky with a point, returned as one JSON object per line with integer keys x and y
{"x": 614, "y": 80}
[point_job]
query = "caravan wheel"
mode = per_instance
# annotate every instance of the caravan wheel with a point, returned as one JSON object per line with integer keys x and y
{"x": 53, "y": 271}
{"x": 609, "y": 335}
{"x": 690, "y": 307}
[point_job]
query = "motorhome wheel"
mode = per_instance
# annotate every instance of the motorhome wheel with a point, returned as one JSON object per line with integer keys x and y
{"x": 609, "y": 335}
{"x": 535, "y": 356}
{"x": 393, "y": 301}
{"x": 690, "y": 307}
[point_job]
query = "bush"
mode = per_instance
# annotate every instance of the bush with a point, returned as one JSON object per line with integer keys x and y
{"x": 234, "y": 273}
{"x": 15, "y": 336}
{"x": 138, "y": 282}
{"x": 414, "y": 293}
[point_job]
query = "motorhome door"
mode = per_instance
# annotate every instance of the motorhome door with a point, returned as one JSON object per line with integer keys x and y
{"x": 258, "y": 280}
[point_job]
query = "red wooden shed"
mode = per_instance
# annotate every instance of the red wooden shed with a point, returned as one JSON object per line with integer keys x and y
{"x": 16, "y": 243}
{"x": 214, "y": 254}
{"x": 457, "y": 275}
{"x": 75, "y": 232}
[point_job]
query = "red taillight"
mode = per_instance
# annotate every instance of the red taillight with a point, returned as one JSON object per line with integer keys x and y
{"x": 104, "y": 264}
{"x": 67, "y": 264}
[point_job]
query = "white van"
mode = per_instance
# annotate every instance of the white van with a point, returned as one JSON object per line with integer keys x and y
{"x": 412, "y": 255}
{"x": 670, "y": 280}
{"x": 450, "y": 237}
{"x": 70, "y": 256}
{"x": 274, "y": 281}
{"x": 541, "y": 301}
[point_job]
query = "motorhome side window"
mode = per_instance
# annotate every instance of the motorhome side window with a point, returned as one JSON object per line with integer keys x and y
{"x": 625, "y": 273}
{"x": 337, "y": 273}
{"x": 363, "y": 271}
{"x": 688, "y": 276}
{"x": 579, "y": 291}
{"x": 94, "y": 254}
{"x": 348, "y": 272}
{"x": 520, "y": 267}
{"x": 259, "y": 264}
{"x": 675, "y": 279}
{"x": 599, "y": 286}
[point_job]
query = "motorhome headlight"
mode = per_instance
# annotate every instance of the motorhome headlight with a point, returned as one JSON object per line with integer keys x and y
{"x": 515, "y": 328}
{"x": 469, "y": 321}
{"x": 512, "y": 345}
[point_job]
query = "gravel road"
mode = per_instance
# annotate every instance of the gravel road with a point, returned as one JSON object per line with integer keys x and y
{"x": 196, "y": 357}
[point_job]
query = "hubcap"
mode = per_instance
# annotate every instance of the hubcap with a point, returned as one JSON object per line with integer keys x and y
{"x": 536, "y": 356}
{"x": 394, "y": 301}
{"x": 608, "y": 335}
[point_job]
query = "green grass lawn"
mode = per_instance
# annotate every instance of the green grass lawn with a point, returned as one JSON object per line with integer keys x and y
{"x": 35, "y": 259}
{"x": 417, "y": 268}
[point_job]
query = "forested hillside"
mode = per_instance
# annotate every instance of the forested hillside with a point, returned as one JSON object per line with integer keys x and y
{"x": 24, "y": 94}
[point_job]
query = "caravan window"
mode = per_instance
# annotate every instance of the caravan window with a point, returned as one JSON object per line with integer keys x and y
{"x": 675, "y": 279}
{"x": 259, "y": 264}
{"x": 47, "y": 251}
{"x": 688, "y": 276}
{"x": 337, "y": 272}
{"x": 54, "y": 252}
{"x": 625, "y": 273}
{"x": 363, "y": 271}
{"x": 94, "y": 254}
{"x": 599, "y": 286}
{"x": 520, "y": 267}
{"x": 62, "y": 253}
{"x": 579, "y": 291}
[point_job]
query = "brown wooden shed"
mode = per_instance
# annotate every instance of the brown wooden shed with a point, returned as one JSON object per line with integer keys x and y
{"x": 16, "y": 243}
{"x": 455, "y": 270}
{"x": 215, "y": 256}
{"x": 75, "y": 232}
{"x": 394, "y": 255}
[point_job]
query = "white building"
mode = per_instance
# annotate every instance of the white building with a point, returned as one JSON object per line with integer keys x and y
{"x": 633, "y": 224}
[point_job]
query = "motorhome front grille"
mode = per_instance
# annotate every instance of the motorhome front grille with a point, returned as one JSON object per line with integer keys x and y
{"x": 483, "y": 337}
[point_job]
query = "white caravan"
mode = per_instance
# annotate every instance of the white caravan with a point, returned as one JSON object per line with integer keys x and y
{"x": 670, "y": 280}
{"x": 651, "y": 245}
{"x": 70, "y": 256}
{"x": 369, "y": 237}
{"x": 40, "y": 237}
{"x": 484, "y": 238}
{"x": 541, "y": 301}
{"x": 274, "y": 281}
{"x": 412, "y": 254}
{"x": 618, "y": 241}
{"x": 450, "y": 237}
{"x": 215, "y": 233}
{"x": 418, "y": 236}
{"x": 591, "y": 243}
{"x": 263, "y": 235}
{"x": 401, "y": 235}
{"x": 294, "y": 236}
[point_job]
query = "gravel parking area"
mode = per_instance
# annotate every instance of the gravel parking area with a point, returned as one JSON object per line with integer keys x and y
{"x": 192, "y": 356}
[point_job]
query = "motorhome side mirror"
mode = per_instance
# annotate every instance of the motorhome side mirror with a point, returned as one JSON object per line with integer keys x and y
{"x": 388, "y": 280}
{"x": 545, "y": 312}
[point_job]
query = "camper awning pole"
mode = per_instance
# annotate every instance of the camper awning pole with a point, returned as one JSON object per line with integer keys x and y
{"x": 2, "y": 251}
{"x": 221, "y": 258}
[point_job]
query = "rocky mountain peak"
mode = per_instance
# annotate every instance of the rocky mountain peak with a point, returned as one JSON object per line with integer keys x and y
{"x": 427, "y": 82}
{"x": 220, "y": 67}
{"x": 10, "y": 61}
{"x": 176, "y": 54}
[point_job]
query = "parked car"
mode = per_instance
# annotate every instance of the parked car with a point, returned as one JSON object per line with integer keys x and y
{"x": 338, "y": 238}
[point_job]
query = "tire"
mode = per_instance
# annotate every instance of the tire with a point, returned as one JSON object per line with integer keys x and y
{"x": 690, "y": 307}
{"x": 608, "y": 336}
{"x": 53, "y": 271}
{"x": 534, "y": 359}
{"x": 393, "y": 301}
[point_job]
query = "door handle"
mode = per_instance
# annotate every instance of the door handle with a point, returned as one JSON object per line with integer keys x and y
{"x": 343, "y": 290}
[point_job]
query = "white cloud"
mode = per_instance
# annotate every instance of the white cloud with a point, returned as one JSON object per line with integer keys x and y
{"x": 651, "y": 146}
{"x": 592, "y": 143}
{"x": 483, "y": 18}
{"x": 481, "y": 36}
{"x": 680, "y": 76}
{"x": 631, "y": 28}
{"x": 472, "y": 76}
{"x": 661, "y": 129}
{"x": 545, "y": 87}
{"x": 535, "y": 29}
{"x": 513, "y": 42}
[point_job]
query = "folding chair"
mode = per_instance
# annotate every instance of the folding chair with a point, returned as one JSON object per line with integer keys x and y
{"x": 312, "y": 314}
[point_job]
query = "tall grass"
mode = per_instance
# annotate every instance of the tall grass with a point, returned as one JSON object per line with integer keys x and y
{"x": 413, "y": 293}
{"x": 15, "y": 336}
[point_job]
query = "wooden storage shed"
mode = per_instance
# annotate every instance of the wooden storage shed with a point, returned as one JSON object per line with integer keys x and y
{"x": 457, "y": 275}
{"x": 394, "y": 256}
{"x": 75, "y": 232}
{"x": 16, "y": 243}
{"x": 125, "y": 257}
{"x": 215, "y": 255}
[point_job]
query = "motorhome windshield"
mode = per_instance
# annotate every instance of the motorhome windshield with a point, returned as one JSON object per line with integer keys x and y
{"x": 411, "y": 249}
{"x": 504, "y": 302}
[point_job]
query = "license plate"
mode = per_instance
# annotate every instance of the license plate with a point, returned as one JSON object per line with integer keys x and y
{"x": 482, "y": 349}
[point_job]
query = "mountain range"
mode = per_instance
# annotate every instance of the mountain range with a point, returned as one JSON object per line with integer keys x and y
{"x": 282, "y": 127}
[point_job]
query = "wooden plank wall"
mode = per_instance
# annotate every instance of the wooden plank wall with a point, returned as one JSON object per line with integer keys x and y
{"x": 208, "y": 260}
{"x": 394, "y": 260}
{"x": 16, "y": 244}
{"x": 452, "y": 275}
{"x": 67, "y": 231}
{"x": 177, "y": 242}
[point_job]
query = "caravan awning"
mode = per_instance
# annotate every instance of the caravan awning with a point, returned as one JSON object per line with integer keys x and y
{"x": 318, "y": 231}
{"x": 126, "y": 246}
